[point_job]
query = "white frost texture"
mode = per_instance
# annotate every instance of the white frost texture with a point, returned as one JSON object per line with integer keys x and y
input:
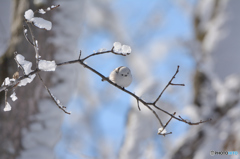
{"x": 47, "y": 65}
{"x": 27, "y": 69}
{"x": 7, "y": 107}
{"x": 37, "y": 21}
{"x": 6, "y": 82}
{"x": 14, "y": 97}
{"x": 42, "y": 23}
{"x": 119, "y": 48}
{"x": 126, "y": 49}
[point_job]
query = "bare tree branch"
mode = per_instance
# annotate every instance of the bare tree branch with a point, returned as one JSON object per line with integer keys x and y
{"x": 26, "y": 35}
{"x": 43, "y": 11}
{"x": 160, "y": 133}
{"x": 35, "y": 44}
{"x": 6, "y": 97}
{"x": 104, "y": 52}
{"x": 169, "y": 83}
{"x": 57, "y": 102}
{"x": 138, "y": 105}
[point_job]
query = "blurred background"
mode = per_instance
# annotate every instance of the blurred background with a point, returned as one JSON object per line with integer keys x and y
{"x": 201, "y": 36}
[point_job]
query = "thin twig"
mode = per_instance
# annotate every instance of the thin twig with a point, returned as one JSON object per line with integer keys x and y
{"x": 63, "y": 108}
{"x": 46, "y": 10}
{"x": 164, "y": 134}
{"x": 160, "y": 133}
{"x": 104, "y": 52}
{"x": 169, "y": 83}
{"x": 26, "y": 35}
{"x": 80, "y": 55}
{"x": 138, "y": 105}
{"x": 35, "y": 44}
{"x": 197, "y": 123}
{"x": 16, "y": 82}
{"x": 168, "y": 121}
{"x": 6, "y": 97}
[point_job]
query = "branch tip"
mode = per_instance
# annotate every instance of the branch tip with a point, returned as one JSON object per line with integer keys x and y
{"x": 80, "y": 55}
{"x": 138, "y": 105}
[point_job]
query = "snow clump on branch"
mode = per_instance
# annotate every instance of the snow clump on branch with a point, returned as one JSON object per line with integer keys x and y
{"x": 119, "y": 48}
{"x": 27, "y": 65}
{"x": 47, "y": 65}
{"x": 7, "y": 107}
{"x": 37, "y": 21}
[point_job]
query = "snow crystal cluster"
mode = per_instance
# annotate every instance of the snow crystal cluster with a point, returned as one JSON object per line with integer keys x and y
{"x": 37, "y": 21}
{"x": 119, "y": 48}
{"x": 27, "y": 65}
{"x": 47, "y": 65}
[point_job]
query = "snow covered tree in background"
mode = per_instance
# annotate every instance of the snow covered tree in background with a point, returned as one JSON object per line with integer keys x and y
{"x": 32, "y": 128}
{"x": 216, "y": 82}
